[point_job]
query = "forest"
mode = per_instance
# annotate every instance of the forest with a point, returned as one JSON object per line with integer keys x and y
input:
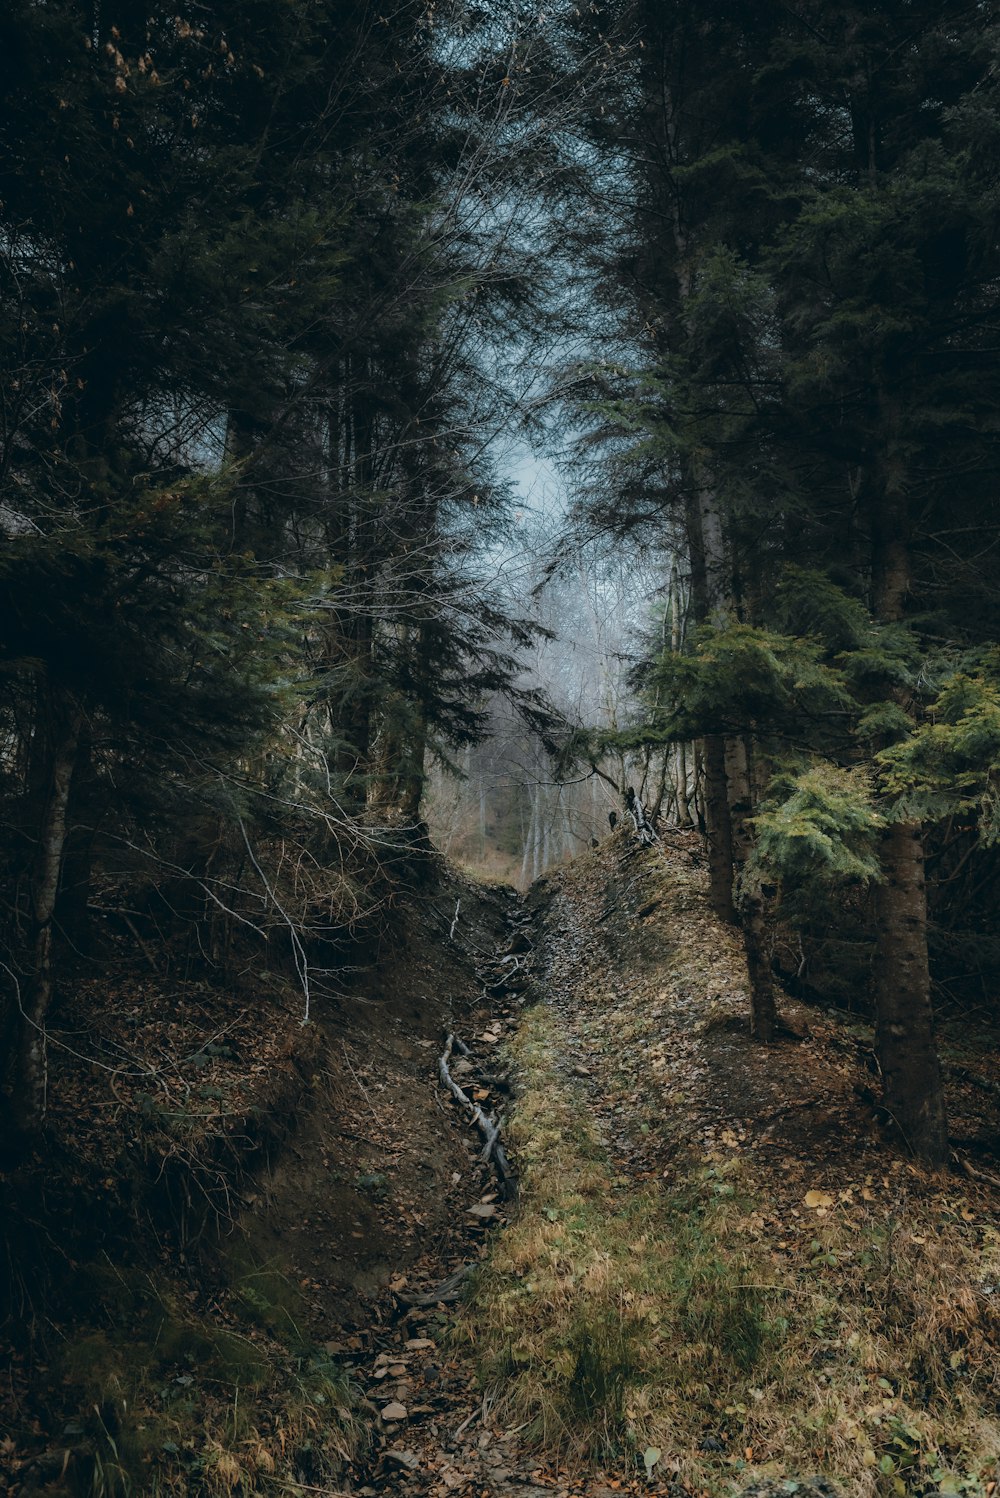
{"x": 499, "y": 748}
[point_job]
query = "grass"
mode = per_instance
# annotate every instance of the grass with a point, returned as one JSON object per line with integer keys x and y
{"x": 608, "y": 1307}
{"x": 615, "y": 1316}
{"x": 162, "y": 1399}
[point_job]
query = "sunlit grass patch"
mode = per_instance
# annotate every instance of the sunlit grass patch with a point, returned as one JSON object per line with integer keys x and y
{"x": 739, "y": 1337}
{"x": 611, "y": 1314}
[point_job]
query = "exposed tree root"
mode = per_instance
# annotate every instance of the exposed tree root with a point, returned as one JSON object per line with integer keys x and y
{"x": 487, "y": 1123}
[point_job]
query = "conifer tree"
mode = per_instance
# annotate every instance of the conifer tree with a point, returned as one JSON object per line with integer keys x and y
{"x": 815, "y": 297}
{"x": 246, "y": 285}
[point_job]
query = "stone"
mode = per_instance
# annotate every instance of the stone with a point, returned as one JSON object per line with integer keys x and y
{"x": 407, "y": 1459}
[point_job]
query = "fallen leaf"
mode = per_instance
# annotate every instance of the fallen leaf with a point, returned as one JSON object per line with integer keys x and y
{"x": 816, "y": 1199}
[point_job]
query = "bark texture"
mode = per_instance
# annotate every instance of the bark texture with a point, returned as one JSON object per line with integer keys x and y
{"x": 753, "y": 916}
{"x": 912, "y": 1087}
{"x": 718, "y": 829}
{"x": 911, "y": 1069}
{"x": 29, "y": 1093}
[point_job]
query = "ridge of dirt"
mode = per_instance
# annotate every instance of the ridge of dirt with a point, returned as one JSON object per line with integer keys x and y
{"x": 376, "y": 1175}
{"x": 650, "y": 987}
{"x": 790, "y": 1294}
{"x": 790, "y": 1297}
{"x": 207, "y": 1244}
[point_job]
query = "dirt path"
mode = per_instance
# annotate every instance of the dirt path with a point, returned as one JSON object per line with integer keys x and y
{"x": 716, "y": 1274}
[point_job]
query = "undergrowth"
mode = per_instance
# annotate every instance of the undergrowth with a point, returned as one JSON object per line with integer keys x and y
{"x": 678, "y": 1320}
{"x": 164, "y": 1399}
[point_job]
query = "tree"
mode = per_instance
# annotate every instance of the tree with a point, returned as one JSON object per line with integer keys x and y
{"x": 815, "y": 272}
{"x": 245, "y": 433}
{"x": 883, "y": 279}
{"x": 703, "y": 205}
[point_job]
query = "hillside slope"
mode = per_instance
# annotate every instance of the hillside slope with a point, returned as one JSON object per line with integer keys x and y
{"x": 206, "y": 1235}
{"x": 715, "y": 1274}
{"x": 719, "y": 1265}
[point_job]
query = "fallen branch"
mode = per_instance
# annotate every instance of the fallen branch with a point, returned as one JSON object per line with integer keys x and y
{"x": 972, "y": 1172}
{"x": 963, "y": 1074}
{"x": 143, "y": 944}
{"x": 466, "y": 1423}
{"x": 490, "y": 1144}
{"x": 454, "y": 923}
{"x": 487, "y": 1125}
{"x": 448, "y": 1290}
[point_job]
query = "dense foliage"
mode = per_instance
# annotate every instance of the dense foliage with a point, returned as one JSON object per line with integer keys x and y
{"x": 809, "y": 278}
{"x": 272, "y": 283}
{"x": 256, "y": 290}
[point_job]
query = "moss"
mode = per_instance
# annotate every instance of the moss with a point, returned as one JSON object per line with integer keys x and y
{"x": 610, "y": 1305}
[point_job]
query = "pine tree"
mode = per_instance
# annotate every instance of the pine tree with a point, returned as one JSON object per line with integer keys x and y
{"x": 883, "y": 279}
{"x": 245, "y": 415}
{"x": 815, "y": 285}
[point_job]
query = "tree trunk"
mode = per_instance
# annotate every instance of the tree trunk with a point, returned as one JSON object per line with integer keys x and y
{"x": 757, "y": 947}
{"x": 412, "y": 785}
{"x": 753, "y": 919}
{"x": 526, "y": 864}
{"x": 698, "y": 784}
{"x": 706, "y": 548}
{"x": 350, "y": 632}
{"x": 719, "y": 831}
{"x": 75, "y": 884}
{"x": 683, "y": 809}
{"x": 912, "y": 1086}
{"x": 29, "y": 1092}
{"x": 911, "y": 1069}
